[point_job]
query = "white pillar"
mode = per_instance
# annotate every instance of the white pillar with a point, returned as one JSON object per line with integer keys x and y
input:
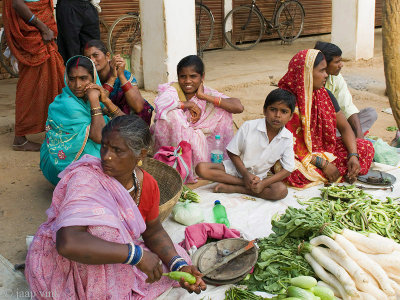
{"x": 168, "y": 35}
{"x": 353, "y": 23}
{"x": 227, "y": 8}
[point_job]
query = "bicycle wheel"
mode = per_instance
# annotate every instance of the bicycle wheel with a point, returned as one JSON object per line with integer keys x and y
{"x": 124, "y": 34}
{"x": 204, "y": 27}
{"x": 4, "y": 60}
{"x": 289, "y": 20}
{"x": 243, "y": 27}
{"x": 103, "y": 29}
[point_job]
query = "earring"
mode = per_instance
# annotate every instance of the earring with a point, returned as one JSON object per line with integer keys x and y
{"x": 140, "y": 163}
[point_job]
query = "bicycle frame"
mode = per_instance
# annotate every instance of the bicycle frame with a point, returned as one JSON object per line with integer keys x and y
{"x": 270, "y": 23}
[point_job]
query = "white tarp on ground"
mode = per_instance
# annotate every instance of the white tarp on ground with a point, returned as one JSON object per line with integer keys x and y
{"x": 252, "y": 219}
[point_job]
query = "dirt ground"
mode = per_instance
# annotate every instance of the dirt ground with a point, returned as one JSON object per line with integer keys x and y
{"x": 249, "y": 75}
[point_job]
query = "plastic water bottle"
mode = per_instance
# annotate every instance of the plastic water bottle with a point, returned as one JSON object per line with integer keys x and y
{"x": 217, "y": 154}
{"x": 220, "y": 213}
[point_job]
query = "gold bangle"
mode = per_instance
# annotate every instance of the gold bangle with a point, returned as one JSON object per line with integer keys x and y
{"x": 219, "y": 102}
{"x": 114, "y": 111}
{"x": 97, "y": 114}
{"x": 94, "y": 108}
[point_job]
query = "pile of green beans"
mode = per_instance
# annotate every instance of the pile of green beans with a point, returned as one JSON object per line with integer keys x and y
{"x": 236, "y": 293}
{"x": 362, "y": 212}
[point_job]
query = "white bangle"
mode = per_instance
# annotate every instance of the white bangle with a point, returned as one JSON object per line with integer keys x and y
{"x": 132, "y": 253}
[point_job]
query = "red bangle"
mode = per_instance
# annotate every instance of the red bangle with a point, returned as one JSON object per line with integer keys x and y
{"x": 108, "y": 87}
{"x": 126, "y": 86}
{"x": 182, "y": 105}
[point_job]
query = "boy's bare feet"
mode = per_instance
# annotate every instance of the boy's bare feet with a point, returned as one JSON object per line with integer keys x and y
{"x": 21, "y": 143}
{"x": 229, "y": 188}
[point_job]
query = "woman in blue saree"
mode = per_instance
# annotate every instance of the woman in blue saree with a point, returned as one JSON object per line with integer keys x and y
{"x": 75, "y": 119}
{"x": 119, "y": 84}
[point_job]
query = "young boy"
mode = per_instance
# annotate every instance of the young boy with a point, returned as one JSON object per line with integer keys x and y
{"x": 255, "y": 148}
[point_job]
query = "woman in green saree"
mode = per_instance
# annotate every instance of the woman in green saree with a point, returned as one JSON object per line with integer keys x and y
{"x": 75, "y": 119}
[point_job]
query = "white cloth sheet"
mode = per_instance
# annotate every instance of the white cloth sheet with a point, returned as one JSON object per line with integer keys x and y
{"x": 251, "y": 218}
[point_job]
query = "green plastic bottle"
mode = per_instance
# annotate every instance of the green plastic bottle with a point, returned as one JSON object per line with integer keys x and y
{"x": 220, "y": 213}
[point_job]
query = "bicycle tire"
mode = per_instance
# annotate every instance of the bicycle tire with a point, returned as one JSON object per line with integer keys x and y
{"x": 290, "y": 15}
{"x": 6, "y": 62}
{"x": 241, "y": 38}
{"x": 124, "y": 33}
{"x": 204, "y": 40}
{"x": 104, "y": 28}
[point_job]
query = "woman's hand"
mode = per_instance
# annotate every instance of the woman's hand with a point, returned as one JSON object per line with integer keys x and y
{"x": 92, "y": 90}
{"x": 120, "y": 65}
{"x": 200, "y": 92}
{"x": 47, "y": 34}
{"x": 151, "y": 265}
{"x": 353, "y": 168}
{"x": 331, "y": 172}
{"x": 198, "y": 286}
{"x": 195, "y": 112}
{"x": 113, "y": 66}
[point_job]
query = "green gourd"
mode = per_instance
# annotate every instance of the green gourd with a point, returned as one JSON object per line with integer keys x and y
{"x": 176, "y": 275}
{"x": 304, "y": 282}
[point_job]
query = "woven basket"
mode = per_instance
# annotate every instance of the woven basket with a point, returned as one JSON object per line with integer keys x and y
{"x": 169, "y": 182}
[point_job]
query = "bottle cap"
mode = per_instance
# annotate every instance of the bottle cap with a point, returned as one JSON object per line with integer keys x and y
{"x": 217, "y": 137}
{"x": 217, "y": 202}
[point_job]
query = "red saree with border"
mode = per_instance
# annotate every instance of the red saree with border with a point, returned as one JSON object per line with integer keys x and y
{"x": 41, "y": 67}
{"x": 314, "y": 126}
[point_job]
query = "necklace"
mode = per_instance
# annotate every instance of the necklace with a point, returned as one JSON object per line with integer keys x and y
{"x": 132, "y": 188}
{"x": 136, "y": 186}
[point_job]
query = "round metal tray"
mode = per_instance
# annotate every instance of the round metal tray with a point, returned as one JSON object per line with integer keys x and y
{"x": 377, "y": 178}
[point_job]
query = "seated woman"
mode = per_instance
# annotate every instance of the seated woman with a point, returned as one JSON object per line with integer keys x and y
{"x": 75, "y": 119}
{"x": 320, "y": 157}
{"x": 188, "y": 111}
{"x": 119, "y": 84}
{"x": 89, "y": 247}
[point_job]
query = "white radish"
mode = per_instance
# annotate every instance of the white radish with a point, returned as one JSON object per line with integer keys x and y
{"x": 366, "y": 263}
{"x": 371, "y": 288}
{"x": 365, "y": 296}
{"x": 394, "y": 277}
{"x": 336, "y": 270}
{"x": 384, "y": 241}
{"x": 388, "y": 261}
{"x": 395, "y": 286}
{"x": 334, "y": 289}
{"x": 326, "y": 277}
{"x": 349, "y": 265}
{"x": 367, "y": 244}
{"x": 330, "y": 243}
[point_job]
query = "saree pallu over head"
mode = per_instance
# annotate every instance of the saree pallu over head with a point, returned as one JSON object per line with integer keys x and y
{"x": 68, "y": 127}
{"x": 314, "y": 121}
{"x": 24, "y": 39}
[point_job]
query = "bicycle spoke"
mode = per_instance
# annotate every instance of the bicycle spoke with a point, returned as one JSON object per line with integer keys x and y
{"x": 289, "y": 20}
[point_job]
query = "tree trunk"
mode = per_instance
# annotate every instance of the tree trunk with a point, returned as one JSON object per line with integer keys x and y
{"x": 391, "y": 53}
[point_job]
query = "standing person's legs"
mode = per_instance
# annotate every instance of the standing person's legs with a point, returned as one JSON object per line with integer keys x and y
{"x": 69, "y": 24}
{"x": 90, "y": 29}
{"x": 367, "y": 116}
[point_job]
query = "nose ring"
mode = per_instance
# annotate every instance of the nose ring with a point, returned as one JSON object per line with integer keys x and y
{"x": 109, "y": 158}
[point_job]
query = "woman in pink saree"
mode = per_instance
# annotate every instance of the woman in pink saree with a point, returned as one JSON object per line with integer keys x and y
{"x": 189, "y": 111}
{"x": 89, "y": 247}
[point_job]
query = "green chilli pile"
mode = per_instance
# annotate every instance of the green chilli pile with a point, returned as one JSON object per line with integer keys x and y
{"x": 352, "y": 208}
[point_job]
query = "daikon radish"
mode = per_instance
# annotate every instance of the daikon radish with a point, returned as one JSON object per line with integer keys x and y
{"x": 390, "y": 261}
{"x": 395, "y": 286}
{"x": 330, "y": 243}
{"x": 366, "y": 263}
{"x": 371, "y": 288}
{"x": 365, "y": 296}
{"x": 326, "y": 277}
{"x": 384, "y": 240}
{"x": 348, "y": 264}
{"x": 367, "y": 244}
{"x": 330, "y": 265}
{"x": 334, "y": 289}
{"x": 394, "y": 277}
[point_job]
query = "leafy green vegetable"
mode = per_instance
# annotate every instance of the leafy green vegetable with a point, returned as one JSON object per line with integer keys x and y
{"x": 237, "y": 293}
{"x": 391, "y": 128}
{"x": 188, "y": 194}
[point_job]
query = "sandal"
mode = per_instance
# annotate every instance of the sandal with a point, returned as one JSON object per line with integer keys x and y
{"x": 32, "y": 146}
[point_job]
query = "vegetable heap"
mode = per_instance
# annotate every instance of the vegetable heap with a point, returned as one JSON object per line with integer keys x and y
{"x": 301, "y": 288}
{"x": 278, "y": 259}
{"x": 188, "y": 194}
{"x": 352, "y": 208}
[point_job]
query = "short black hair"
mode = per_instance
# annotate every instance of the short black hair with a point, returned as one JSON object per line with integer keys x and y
{"x": 329, "y": 50}
{"x": 97, "y": 44}
{"x": 280, "y": 95}
{"x": 81, "y": 61}
{"x": 320, "y": 57}
{"x": 191, "y": 61}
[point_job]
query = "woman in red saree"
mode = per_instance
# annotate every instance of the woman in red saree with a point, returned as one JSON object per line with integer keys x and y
{"x": 320, "y": 156}
{"x": 30, "y": 30}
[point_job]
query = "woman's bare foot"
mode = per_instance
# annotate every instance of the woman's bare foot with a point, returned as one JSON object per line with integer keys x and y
{"x": 21, "y": 143}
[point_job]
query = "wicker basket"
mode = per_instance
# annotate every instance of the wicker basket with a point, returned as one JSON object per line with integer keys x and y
{"x": 169, "y": 182}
